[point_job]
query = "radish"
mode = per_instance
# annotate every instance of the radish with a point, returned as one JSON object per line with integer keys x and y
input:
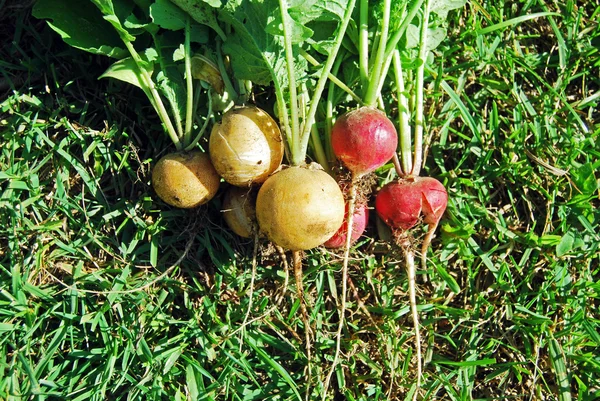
{"x": 364, "y": 140}
{"x": 299, "y": 208}
{"x": 185, "y": 179}
{"x": 246, "y": 146}
{"x": 360, "y": 220}
{"x": 239, "y": 205}
{"x": 400, "y": 204}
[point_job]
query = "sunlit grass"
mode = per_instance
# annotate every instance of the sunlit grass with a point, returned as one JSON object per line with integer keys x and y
{"x": 508, "y": 305}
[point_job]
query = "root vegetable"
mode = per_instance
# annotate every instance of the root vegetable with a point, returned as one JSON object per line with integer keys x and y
{"x": 185, "y": 179}
{"x": 300, "y": 208}
{"x": 364, "y": 140}
{"x": 238, "y": 208}
{"x": 360, "y": 220}
{"x": 246, "y": 146}
{"x": 401, "y": 203}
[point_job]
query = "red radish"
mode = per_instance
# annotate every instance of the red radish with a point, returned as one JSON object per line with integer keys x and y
{"x": 361, "y": 218}
{"x": 364, "y": 140}
{"x": 401, "y": 203}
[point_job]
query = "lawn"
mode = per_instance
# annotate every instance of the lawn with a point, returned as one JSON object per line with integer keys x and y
{"x": 106, "y": 292}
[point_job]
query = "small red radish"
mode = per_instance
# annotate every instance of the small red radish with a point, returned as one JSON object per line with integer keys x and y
{"x": 361, "y": 218}
{"x": 364, "y": 140}
{"x": 401, "y": 203}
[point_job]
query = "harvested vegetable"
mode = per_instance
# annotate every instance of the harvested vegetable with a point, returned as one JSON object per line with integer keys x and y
{"x": 300, "y": 208}
{"x": 185, "y": 179}
{"x": 401, "y": 204}
{"x": 359, "y": 223}
{"x": 238, "y": 209}
{"x": 364, "y": 140}
{"x": 246, "y": 146}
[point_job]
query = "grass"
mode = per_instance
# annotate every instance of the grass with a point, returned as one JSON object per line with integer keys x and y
{"x": 509, "y": 307}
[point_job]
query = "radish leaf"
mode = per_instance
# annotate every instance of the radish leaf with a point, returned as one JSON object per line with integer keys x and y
{"x": 81, "y": 25}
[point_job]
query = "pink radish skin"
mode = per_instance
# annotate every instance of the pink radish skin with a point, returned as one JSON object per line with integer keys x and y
{"x": 361, "y": 218}
{"x": 364, "y": 140}
{"x": 401, "y": 203}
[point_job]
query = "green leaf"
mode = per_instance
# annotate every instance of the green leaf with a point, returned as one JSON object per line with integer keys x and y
{"x": 168, "y": 16}
{"x": 81, "y": 25}
{"x": 125, "y": 70}
{"x": 442, "y": 7}
{"x": 114, "y": 11}
{"x": 202, "y": 12}
{"x": 256, "y": 54}
{"x": 435, "y": 36}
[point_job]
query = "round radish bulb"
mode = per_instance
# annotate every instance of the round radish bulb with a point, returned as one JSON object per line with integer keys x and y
{"x": 359, "y": 223}
{"x": 246, "y": 146}
{"x": 299, "y": 208}
{"x": 239, "y": 211}
{"x": 185, "y": 179}
{"x": 401, "y": 203}
{"x": 364, "y": 140}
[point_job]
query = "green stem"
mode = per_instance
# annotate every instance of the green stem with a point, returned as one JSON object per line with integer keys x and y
{"x": 160, "y": 107}
{"x": 329, "y": 109}
{"x": 172, "y": 105}
{"x": 393, "y": 42}
{"x": 323, "y": 78}
{"x": 403, "y": 117}
{"x": 317, "y": 145}
{"x": 229, "y": 89}
{"x": 419, "y": 121}
{"x": 189, "y": 110}
{"x": 193, "y": 143}
{"x": 380, "y": 59}
{"x": 331, "y": 76}
{"x": 363, "y": 44}
{"x": 297, "y": 155}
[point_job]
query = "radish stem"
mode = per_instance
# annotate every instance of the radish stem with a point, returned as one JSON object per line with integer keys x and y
{"x": 155, "y": 96}
{"x": 323, "y": 78}
{"x": 403, "y": 117}
{"x": 297, "y": 158}
{"x": 350, "y": 223}
{"x": 412, "y": 293}
{"x": 419, "y": 122}
{"x": 187, "y": 136}
{"x": 380, "y": 60}
{"x": 363, "y": 49}
{"x": 329, "y": 110}
{"x": 331, "y": 76}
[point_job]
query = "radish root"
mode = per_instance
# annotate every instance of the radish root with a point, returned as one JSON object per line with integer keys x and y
{"x": 409, "y": 257}
{"x": 286, "y": 268}
{"x": 251, "y": 290}
{"x": 349, "y": 229}
{"x": 426, "y": 243}
{"x": 297, "y": 261}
